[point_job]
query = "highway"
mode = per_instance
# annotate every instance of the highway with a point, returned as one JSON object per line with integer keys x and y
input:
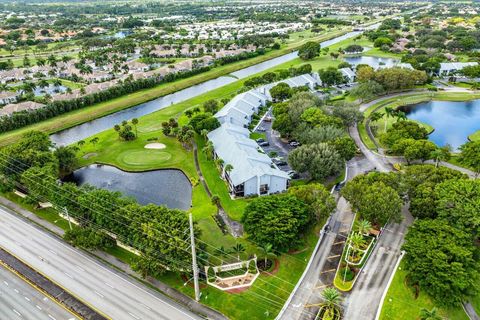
{"x": 106, "y": 290}
{"x": 19, "y": 300}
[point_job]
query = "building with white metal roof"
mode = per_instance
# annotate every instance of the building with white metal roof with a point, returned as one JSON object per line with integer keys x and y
{"x": 449, "y": 68}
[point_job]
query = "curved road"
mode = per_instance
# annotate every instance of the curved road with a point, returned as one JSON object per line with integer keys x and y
{"x": 104, "y": 289}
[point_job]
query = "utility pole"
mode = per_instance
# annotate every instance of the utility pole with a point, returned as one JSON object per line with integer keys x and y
{"x": 194, "y": 260}
{"x": 68, "y": 217}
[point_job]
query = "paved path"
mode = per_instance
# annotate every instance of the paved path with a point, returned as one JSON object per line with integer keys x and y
{"x": 103, "y": 288}
{"x": 19, "y": 300}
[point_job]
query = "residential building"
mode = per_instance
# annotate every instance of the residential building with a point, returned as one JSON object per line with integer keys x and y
{"x": 451, "y": 68}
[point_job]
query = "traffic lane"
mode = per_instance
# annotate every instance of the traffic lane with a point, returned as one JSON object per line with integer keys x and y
{"x": 19, "y": 300}
{"x": 107, "y": 290}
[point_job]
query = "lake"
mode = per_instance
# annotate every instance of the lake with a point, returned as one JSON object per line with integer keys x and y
{"x": 453, "y": 121}
{"x": 168, "y": 187}
{"x": 373, "y": 62}
{"x": 87, "y": 129}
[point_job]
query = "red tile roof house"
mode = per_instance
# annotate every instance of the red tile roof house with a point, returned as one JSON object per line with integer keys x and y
{"x": 9, "y": 109}
{"x": 7, "y": 97}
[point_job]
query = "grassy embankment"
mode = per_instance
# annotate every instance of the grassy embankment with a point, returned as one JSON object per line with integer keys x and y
{"x": 401, "y": 301}
{"x": 414, "y": 98}
{"x": 101, "y": 109}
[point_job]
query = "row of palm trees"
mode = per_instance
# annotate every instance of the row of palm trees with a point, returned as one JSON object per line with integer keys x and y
{"x": 389, "y": 113}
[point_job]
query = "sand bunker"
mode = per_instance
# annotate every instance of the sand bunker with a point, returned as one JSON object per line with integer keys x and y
{"x": 155, "y": 145}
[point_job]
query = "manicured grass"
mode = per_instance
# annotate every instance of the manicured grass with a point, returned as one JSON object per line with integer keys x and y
{"x": 82, "y": 115}
{"x": 396, "y": 102}
{"x": 475, "y": 301}
{"x": 400, "y": 302}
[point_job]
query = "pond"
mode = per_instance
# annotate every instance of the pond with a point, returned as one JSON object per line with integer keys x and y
{"x": 161, "y": 187}
{"x": 373, "y": 62}
{"x": 453, "y": 121}
{"x": 90, "y": 128}
{"x": 51, "y": 89}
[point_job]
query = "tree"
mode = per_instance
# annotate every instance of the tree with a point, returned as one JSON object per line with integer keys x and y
{"x": 228, "y": 168}
{"x": 331, "y": 76}
{"x": 441, "y": 154}
{"x": 135, "y": 122}
{"x": 376, "y": 202}
{"x": 94, "y": 141}
{"x": 331, "y": 297}
{"x": 382, "y": 41}
{"x": 363, "y": 227}
{"x": 319, "y": 160}
{"x": 281, "y": 92}
{"x": 375, "y": 116}
{"x": 470, "y": 156}
{"x": 67, "y": 160}
{"x": 215, "y": 200}
{"x": 309, "y": 50}
{"x": 317, "y": 197}
{"x": 365, "y": 73}
{"x": 276, "y": 219}
{"x": 267, "y": 249}
{"x": 441, "y": 260}
{"x": 238, "y": 248}
{"x": 348, "y": 112}
{"x": 432, "y": 314}
{"x": 419, "y": 150}
{"x": 403, "y": 130}
{"x": 345, "y": 146}
{"x": 458, "y": 202}
{"x": 208, "y": 150}
{"x": 211, "y": 106}
{"x": 367, "y": 90}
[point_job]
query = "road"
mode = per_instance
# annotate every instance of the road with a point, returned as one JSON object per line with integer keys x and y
{"x": 104, "y": 289}
{"x": 325, "y": 260}
{"x": 19, "y": 300}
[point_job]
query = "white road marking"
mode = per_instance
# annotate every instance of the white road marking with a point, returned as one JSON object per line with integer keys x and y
{"x": 134, "y": 316}
{"x": 68, "y": 275}
{"x": 109, "y": 285}
{"x": 101, "y": 295}
{"x": 52, "y": 251}
{"x": 27, "y": 299}
{"x": 51, "y": 317}
{"x": 18, "y": 313}
{"x": 6, "y": 283}
{"x": 38, "y": 307}
{"x": 81, "y": 269}
{"x": 16, "y": 290}
{"x": 147, "y": 307}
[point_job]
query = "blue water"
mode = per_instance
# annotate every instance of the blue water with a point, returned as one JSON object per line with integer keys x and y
{"x": 373, "y": 62}
{"x": 453, "y": 121}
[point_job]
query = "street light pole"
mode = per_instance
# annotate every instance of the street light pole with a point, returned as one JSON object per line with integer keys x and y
{"x": 194, "y": 260}
{"x": 68, "y": 217}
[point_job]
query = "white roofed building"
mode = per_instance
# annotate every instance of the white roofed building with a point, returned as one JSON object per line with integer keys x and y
{"x": 450, "y": 68}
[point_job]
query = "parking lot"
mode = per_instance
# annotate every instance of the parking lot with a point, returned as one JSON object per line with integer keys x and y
{"x": 276, "y": 145}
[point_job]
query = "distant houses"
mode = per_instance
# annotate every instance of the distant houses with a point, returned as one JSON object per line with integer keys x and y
{"x": 253, "y": 172}
{"x": 452, "y": 68}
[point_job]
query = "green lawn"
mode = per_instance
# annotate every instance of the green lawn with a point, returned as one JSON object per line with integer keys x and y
{"x": 414, "y": 98}
{"x": 400, "y": 302}
{"x": 98, "y": 110}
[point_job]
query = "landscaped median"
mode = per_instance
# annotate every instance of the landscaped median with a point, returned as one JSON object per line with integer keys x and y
{"x": 359, "y": 245}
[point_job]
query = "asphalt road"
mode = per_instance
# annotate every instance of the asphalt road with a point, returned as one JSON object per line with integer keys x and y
{"x": 104, "y": 289}
{"x": 19, "y": 300}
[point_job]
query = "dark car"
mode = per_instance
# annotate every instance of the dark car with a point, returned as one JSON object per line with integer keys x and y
{"x": 280, "y": 162}
{"x": 259, "y": 140}
{"x": 294, "y": 144}
{"x": 264, "y": 144}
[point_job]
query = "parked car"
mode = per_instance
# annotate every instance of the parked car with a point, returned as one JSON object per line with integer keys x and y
{"x": 260, "y": 140}
{"x": 279, "y": 162}
{"x": 264, "y": 144}
{"x": 261, "y": 129}
{"x": 268, "y": 119}
{"x": 293, "y": 174}
{"x": 294, "y": 144}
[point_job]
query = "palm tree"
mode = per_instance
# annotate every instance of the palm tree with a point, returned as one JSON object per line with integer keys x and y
{"x": 135, "y": 122}
{"x": 43, "y": 83}
{"x": 375, "y": 116}
{"x": 208, "y": 150}
{"x": 267, "y": 249}
{"x": 401, "y": 116}
{"x": 219, "y": 162}
{"x": 389, "y": 112}
{"x": 204, "y": 133}
{"x": 238, "y": 248}
{"x": 52, "y": 60}
{"x": 94, "y": 141}
{"x": 426, "y": 314}
{"x": 227, "y": 169}
{"x": 331, "y": 296}
{"x": 441, "y": 154}
{"x": 215, "y": 200}
{"x": 80, "y": 143}
{"x": 57, "y": 82}
{"x": 356, "y": 241}
{"x": 363, "y": 227}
